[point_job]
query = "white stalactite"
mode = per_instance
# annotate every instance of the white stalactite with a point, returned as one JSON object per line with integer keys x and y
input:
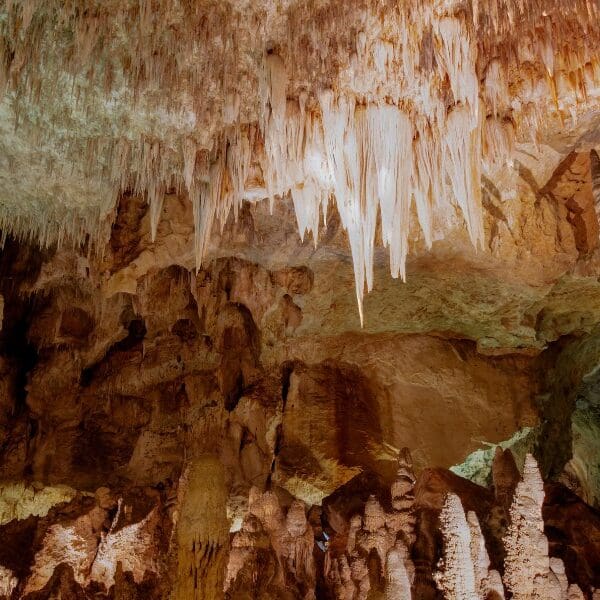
{"x": 406, "y": 116}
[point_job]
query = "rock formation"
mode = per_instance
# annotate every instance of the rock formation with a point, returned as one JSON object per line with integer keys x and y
{"x": 251, "y": 252}
{"x": 529, "y": 571}
{"x": 273, "y": 550}
{"x": 377, "y": 555}
{"x": 460, "y": 575}
{"x": 202, "y": 530}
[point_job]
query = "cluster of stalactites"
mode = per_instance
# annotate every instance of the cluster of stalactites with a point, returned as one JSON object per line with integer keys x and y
{"x": 373, "y": 158}
{"x": 420, "y": 148}
{"x": 529, "y": 572}
{"x": 423, "y": 97}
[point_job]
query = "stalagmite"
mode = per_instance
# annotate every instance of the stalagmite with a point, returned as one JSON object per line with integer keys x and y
{"x": 488, "y": 581}
{"x": 248, "y": 548}
{"x": 457, "y": 577}
{"x": 202, "y": 535}
{"x": 575, "y": 593}
{"x": 402, "y": 518}
{"x": 288, "y": 536}
{"x": 465, "y": 569}
{"x": 378, "y": 545}
{"x": 8, "y": 582}
{"x": 529, "y": 573}
{"x": 343, "y": 585}
{"x": 374, "y": 535}
{"x": 400, "y": 573}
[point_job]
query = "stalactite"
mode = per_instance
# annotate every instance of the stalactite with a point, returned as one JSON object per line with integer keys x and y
{"x": 403, "y": 118}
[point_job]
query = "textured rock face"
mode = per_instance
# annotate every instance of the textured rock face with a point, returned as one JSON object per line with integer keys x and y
{"x": 198, "y": 397}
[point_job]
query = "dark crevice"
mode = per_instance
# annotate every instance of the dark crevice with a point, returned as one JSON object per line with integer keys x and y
{"x": 19, "y": 264}
{"x": 286, "y": 373}
{"x": 24, "y": 356}
{"x": 135, "y": 336}
{"x": 126, "y": 230}
{"x": 239, "y": 345}
{"x": 235, "y": 393}
{"x": 595, "y": 168}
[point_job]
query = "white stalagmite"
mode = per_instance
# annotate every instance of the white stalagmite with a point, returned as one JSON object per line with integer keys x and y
{"x": 488, "y": 582}
{"x": 526, "y": 545}
{"x": 400, "y": 573}
{"x": 457, "y": 578}
{"x": 465, "y": 572}
{"x": 528, "y": 570}
{"x": 8, "y": 582}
